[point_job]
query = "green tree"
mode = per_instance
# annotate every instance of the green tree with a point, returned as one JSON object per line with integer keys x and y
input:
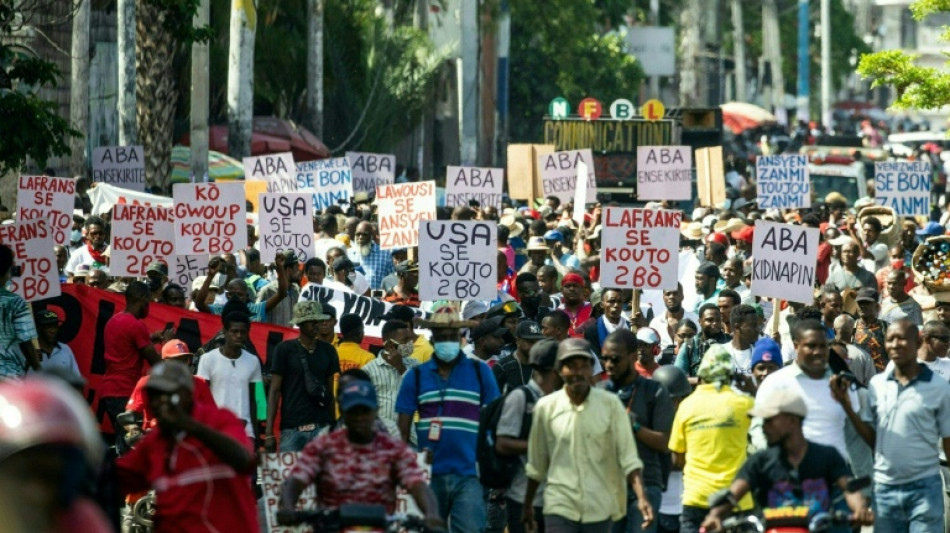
{"x": 33, "y": 127}
{"x": 914, "y": 86}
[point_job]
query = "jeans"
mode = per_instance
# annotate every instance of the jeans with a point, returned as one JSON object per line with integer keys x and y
{"x": 692, "y": 518}
{"x": 495, "y": 514}
{"x": 514, "y": 516}
{"x": 631, "y": 523}
{"x": 292, "y": 440}
{"x": 461, "y": 502}
{"x": 668, "y": 523}
{"x": 558, "y": 524}
{"x": 915, "y": 507}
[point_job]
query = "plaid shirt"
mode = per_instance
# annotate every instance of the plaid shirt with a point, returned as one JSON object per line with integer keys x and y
{"x": 16, "y": 326}
{"x": 376, "y": 266}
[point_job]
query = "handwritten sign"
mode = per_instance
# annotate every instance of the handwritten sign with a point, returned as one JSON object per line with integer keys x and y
{"x": 664, "y": 172}
{"x": 371, "y": 170}
{"x": 278, "y": 170}
{"x": 559, "y": 174}
{"x": 904, "y": 186}
{"x": 458, "y": 260}
{"x": 48, "y": 199}
{"x": 782, "y": 181}
{"x": 123, "y": 166}
{"x": 580, "y": 193}
{"x": 400, "y": 208}
{"x": 32, "y": 245}
{"x": 464, "y": 184}
{"x": 140, "y": 235}
{"x": 640, "y": 248}
{"x": 784, "y": 261}
{"x": 329, "y": 180}
{"x": 210, "y": 218}
{"x": 186, "y": 269}
{"x": 286, "y": 222}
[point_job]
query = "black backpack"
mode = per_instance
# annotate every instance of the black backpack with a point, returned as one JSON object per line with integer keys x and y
{"x": 497, "y": 471}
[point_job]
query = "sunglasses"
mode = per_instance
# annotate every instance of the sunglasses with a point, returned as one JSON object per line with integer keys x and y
{"x": 941, "y": 338}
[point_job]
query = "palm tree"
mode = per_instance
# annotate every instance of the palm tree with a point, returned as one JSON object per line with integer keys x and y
{"x": 155, "y": 90}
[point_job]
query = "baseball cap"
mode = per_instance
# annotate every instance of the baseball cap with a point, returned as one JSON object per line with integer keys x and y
{"x": 82, "y": 271}
{"x": 490, "y": 326}
{"x": 554, "y": 235}
{"x": 170, "y": 376}
{"x": 744, "y": 234}
{"x": 175, "y": 348}
{"x": 528, "y": 330}
{"x": 308, "y": 311}
{"x": 406, "y": 266}
{"x": 932, "y": 229}
{"x": 400, "y": 312}
{"x": 290, "y": 257}
{"x": 157, "y": 267}
{"x": 648, "y": 336}
{"x": 708, "y": 268}
{"x": 543, "y": 354}
{"x": 341, "y": 263}
{"x": 766, "y": 350}
{"x": 780, "y": 401}
{"x": 358, "y": 393}
{"x": 45, "y": 317}
{"x": 718, "y": 237}
{"x": 571, "y": 348}
{"x": 473, "y": 308}
{"x": 866, "y": 294}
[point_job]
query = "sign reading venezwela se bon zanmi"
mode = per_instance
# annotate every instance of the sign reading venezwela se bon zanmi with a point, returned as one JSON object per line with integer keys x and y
{"x": 904, "y": 186}
{"x": 782, "y": 181}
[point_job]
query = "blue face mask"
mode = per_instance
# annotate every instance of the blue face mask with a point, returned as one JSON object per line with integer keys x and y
{"x": 446, "y": 351}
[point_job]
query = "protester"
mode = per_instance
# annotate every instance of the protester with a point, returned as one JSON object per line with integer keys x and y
{"x": 173, "y": 295}
{"x": 597, "y": 329}
{"x": 869, "y": 330}
{"x": 287, "y": 282}
{"x": 406, "y": 291}
{"x": 664, "y": 323}
{"x": 574, "y": 302}
{"x": 349, "y": 350}
{"x": 691, "y": 353}
{"x": 375, "y": 262}
{"x": 851, "y": 276}
{"x": 93, "y": 252}
{"x": 54, "y": 355}
{"x": 745, "y": 331}
{"x": 858, "y": 360}
{"x": 707, "y": 276}
{"x": 422, "y": 349}
{"x": 647, "y": 350}
{"x": 534, "y": 303}
{"x": 390, "y": 365}
{"x": 898, "y": 304}
{"x": 17, "y": 329}
{"x": 514, "y": 370}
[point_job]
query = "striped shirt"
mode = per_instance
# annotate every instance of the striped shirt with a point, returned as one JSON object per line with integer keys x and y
{"x": 455, "y": 404}
{"x": 16, "y": 326}
{"x": 386, "y": 379}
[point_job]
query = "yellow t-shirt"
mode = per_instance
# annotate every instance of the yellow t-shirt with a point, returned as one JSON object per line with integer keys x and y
{"x": 711, "y": 427}
{"x": 351, "y": 355}
{"x": 422, "y": 349}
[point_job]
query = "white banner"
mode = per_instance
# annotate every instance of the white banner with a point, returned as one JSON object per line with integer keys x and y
{"x": 140, "y": 235}
{"x": 484, "y": 185}
{"x": 48, "y": 199}
{"x": 210, "y": 218}
{"x": 640, "y": 248}
{"x": 371, "y": 170}
{"x": 784, "y": 261}
{"x": 782, "y": 181}
{"x": 458, "y": 260}
{"x": 400, "y": 208}
{"x": 904, "y": 186}
{"x": 32, "y": 245}
{"x": 370, "y": 310}
{"x": 123, "y": 166}
{"x": 278, "y": 170}
{"x": 103, "y": 196}
{"x": 329, "y": 180}
{"x": 559, "y": 174}
{"x": 664, "y": 172}
{"x": 286, "y": 222}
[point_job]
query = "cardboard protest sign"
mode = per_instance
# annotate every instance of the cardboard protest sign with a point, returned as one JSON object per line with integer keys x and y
{"x": 664, "y": 172}
{"x": 186, "y": 268}
{"x": 329, "y": 180}
{"x": 140, "y": 235}
{"x": 559, "y": 174}
{"x": 371, "y": 170}
{"x": 400, "y": 208}
{"x": 48, "y": 199}
{"x": 710, "y": 182}
{"x": 123, "y": 166}
{"x": 458, "y": 260}
{"x": 32, "y": 245}
{"x": 286, "y": 222}
{"x": 278, "y": 170}
{"x": 580, "y": 193}
{"x": 784, "y": 261}
{"x": 210, "y": 218}
{"x": 782, "y": 181}
{"x": 904, "y": 186}
{"x": 640, "y": 248}
{"x": 464, "y": 184}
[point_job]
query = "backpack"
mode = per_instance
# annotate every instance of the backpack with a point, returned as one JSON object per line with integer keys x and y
{"x": 497, "y": 471}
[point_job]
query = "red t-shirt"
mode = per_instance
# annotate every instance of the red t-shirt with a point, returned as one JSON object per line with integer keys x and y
{"x": 125, "y": 336}
{"x": 138, "y": 402}
{"x": 195, "y": 492}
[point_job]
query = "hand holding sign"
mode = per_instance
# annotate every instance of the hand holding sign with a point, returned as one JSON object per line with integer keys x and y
{"x": 640, "y": 248}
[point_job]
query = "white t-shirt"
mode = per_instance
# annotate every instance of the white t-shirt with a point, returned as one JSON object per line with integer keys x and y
{"x": 230, "y": 380}
{"x": 81, "y": 256}
{"x": 939, "y": 366}
{"x": 661, "y": 325}
{"x": 741, "y": 359}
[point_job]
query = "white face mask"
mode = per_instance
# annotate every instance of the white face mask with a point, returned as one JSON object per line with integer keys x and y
{"x": 352, "y": 277}
{"x": 221, "y": 299}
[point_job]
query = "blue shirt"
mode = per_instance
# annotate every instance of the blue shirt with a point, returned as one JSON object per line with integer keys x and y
{"x": 456, "y": 402}
{"x": 376, "y": 266}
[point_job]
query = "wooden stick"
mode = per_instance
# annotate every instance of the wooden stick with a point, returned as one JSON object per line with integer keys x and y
{"x": 776, "y": 308}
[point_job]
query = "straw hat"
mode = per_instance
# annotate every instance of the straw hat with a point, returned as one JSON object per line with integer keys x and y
{"x": 537, "y": 244}
{"x": 728, "y": 226}
{"x": 693, "y": 231}
{"x": 512, "y": 224}
{"x": 445, "y": 317}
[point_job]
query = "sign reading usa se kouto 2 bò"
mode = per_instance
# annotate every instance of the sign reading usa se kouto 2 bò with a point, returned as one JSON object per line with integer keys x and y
{"x": 640, "y": 248}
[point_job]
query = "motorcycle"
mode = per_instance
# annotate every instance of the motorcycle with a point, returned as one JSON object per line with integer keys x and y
{"x": 359, "y": 518}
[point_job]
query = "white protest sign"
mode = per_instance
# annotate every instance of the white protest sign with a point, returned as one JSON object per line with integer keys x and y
{"x": 123, "y": 166}
{"x": 400, "y": 208}
{"x": 32, "y": 245}
{"x": 210, "y": 218}
{"x": 104, "y": 196}
{"x": 371, "y": 170}
{"x": 640, "y": 248}
{"x": 48, "y": 199}
{"x": 782, "y": 181}
{"x": 329, "y": 180}
{"x": 580, "y": 193}
{"x": 186, "y": 269}
{"x": 286, "y": 222}
{"x": 904, "y": 186}
{"x": 484, "y": 185}
{"x": 140, "y": 235}
{"x": 784, "y": 260}
{"x": 664, "y": 172}
{"x": 458, "y": 260}
{"x": 559, "y": 174}
{"x": 278, "y": 170}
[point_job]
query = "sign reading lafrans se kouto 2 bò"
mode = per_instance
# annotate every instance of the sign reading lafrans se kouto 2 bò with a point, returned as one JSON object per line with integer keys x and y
{"x": 329, "y": 180}
{"x": 904, "y": 186}
{"x": 400, "y": 208}
{"x": 140, "y": 235}
{"x": 782, "y": 181}
{"x": 371, "y": 170}
{"x": 278, "y": 170}
{"x": 286, "y": 223}
{"x": 784, "y": 261}
{"x": 640, "y": 248}
{"x": 458, "y": 260}
{"x": 48, "y": 199}
{"x": 123, "y": 166}
{"x": 464, "y": 184}
{"x": 559, "y": 174}
{"x": 664, "y": 172}
{"x": 210, "y": 218}
{"x": 32, "y": 245}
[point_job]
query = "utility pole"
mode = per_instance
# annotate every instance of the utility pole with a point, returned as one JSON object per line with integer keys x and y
{"x": 738, "y": 40}
{"x": 241, "y": 78}
{"x": 315, "y": 67}
{"x": 773, "y": 54}
{"x": 501, "y": 102}
{"x": 826, "y": 63}
{"x": 199, "y": 97}
{"x": 804, "y": 67}
{"x": 712, "y": 37}
{"x": 79, "y": 89}
{"x": 468, "y": 84}
{"x": 655, "y": 22}
{"x": 128, "y": 126}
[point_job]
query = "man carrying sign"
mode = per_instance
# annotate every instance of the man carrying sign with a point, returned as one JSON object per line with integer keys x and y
{"x": 281, "y": 312}
{"x": 17, "y": 331}
{"x": 376, "y": 263}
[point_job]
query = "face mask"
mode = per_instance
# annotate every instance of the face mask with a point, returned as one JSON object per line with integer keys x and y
{"x": 75, "y": 236}
{"x": 405, "y": 350}
{"x": 154, "y": 283}
{"x": 351, "y": 277}
{"x": 221, "y": 299}
{"x": 446, "y": 351}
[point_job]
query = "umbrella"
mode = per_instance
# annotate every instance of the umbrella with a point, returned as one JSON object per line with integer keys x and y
{"x": 740, "y": 116}
{"x": 271, "y": 135}
{"x": 220, "y": 166}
